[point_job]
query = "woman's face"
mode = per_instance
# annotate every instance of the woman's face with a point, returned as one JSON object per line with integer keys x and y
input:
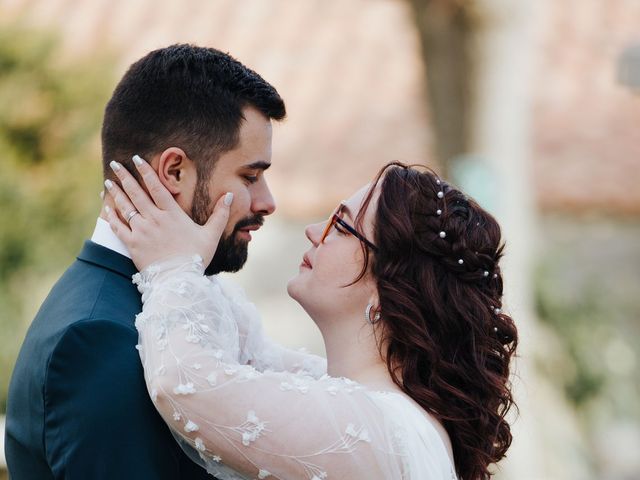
{"x": 328, "y": 267}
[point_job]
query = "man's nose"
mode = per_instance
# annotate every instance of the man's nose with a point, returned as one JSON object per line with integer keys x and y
{"x": 263, "y": 202}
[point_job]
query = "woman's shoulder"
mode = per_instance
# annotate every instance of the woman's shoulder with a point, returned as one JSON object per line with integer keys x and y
{"x": 419, "y": 428}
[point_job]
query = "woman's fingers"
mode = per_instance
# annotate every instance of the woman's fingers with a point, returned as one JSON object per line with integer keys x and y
{"x": 220, "y": 217}
{"x": 121, "y": 201}
{"x": 121, "y": 230}
{"x": 134, "y": 191}
{"x": 160, "y": 195}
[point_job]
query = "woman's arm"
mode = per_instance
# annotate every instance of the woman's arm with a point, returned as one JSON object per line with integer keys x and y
{"x": 256, "y": 348}
{"x": 262, "y": 423}
{"x": 259, "y": 423}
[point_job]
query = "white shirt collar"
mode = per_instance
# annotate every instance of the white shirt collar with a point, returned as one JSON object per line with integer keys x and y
{"x": 103, "y": 235}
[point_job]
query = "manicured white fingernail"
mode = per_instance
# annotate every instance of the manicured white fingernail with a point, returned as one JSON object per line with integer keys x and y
{"x": 102, "y": 194}
{"x": 108, "y": 184}
{"x": 228, "y": 198}
{"x": 137, "y": 160}
{"x": 114, "y": 165}
{"x": 107, "y": 209}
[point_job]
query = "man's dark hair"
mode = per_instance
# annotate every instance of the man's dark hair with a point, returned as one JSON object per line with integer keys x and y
{"x": 185, "y": 96}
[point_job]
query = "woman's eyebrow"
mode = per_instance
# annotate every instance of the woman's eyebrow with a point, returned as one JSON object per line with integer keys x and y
{"x": 346, "y": 210}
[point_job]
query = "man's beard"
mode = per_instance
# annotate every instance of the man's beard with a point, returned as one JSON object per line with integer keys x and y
{"x": 232, "y": 252}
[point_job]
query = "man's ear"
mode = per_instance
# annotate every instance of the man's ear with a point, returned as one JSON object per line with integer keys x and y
{"x": 176, "y": 171}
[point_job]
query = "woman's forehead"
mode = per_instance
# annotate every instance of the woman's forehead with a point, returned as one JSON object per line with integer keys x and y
{"x": 355, "y": 201}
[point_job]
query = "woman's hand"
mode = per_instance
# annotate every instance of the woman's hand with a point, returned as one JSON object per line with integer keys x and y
{"x": 160, "y": 229}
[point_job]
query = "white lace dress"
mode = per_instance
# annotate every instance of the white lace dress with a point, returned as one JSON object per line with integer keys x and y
{"x": 245, "y": 407}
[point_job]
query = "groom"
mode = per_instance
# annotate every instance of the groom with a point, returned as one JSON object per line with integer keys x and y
{"x": 78, "y": 407}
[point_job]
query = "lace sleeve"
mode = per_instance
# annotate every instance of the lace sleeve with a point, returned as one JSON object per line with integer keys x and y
{"x": 260, "y": 423}
{"x": 256, "y": 348}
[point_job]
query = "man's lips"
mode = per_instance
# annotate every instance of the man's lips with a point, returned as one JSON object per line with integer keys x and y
{"x": 245, "y": 232}
{"x": 250, "y": 228}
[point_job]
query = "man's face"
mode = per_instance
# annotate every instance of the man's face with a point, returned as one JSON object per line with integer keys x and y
{"x": 240, "y": 171}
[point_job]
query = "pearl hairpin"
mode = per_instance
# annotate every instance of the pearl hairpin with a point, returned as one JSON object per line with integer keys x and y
{"x": 486, "y": 274}
{"x": 442, "y": 234}
{"x": 438, "y": 212}
{"x": 460, "y": 261}
{"x": 440, "y": 194}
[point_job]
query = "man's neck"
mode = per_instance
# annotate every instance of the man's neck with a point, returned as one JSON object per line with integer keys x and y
{"x": 103, "y": 235}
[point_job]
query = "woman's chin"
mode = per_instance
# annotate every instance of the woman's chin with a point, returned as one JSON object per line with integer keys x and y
{"x": 291, "y": 288}
{"x": 296, "y": 288}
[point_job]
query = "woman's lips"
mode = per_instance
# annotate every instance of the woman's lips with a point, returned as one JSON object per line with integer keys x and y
{"x": 305, "y": 262}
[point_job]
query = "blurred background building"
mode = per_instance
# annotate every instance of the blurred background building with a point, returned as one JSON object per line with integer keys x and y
{"x": 529, "y": 105}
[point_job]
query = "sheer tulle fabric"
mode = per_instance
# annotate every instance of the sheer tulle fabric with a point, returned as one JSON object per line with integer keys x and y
{"x": 245, "y": 407}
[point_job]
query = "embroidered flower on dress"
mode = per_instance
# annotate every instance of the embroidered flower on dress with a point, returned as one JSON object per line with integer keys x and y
{"x": 182, "y": 288}
{"x": 184, "y": 389}
{"x": 251, "y": 429}
{"x": 285, "y": 386}
{"x": 200, "y": 444}
{"x": 191, "y": 427}
{"x": 332, "y": 389}
{"x": 363, "y": 434}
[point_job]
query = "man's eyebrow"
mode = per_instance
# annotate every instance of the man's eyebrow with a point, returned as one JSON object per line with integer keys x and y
{"x": 260, "y": 165}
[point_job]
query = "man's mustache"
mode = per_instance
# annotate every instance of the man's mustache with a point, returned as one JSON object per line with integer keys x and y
{"x": 254, "y": 221}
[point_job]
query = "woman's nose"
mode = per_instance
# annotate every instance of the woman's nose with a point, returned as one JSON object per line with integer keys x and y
{"x": 313, "y": 232}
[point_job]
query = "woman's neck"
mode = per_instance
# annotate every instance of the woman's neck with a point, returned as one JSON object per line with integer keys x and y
{"x": 352, "y": 352}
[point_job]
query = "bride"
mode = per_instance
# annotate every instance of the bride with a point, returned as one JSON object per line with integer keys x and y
{"x": 404, "y": 284}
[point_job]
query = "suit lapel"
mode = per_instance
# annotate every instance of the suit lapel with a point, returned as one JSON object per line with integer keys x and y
{"x": 103, "y": 257}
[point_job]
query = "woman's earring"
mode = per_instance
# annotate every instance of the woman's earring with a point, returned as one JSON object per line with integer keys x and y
{"x": 367, "y": 315}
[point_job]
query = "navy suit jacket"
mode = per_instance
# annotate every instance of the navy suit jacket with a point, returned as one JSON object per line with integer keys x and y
{"x": 78, "y": 406}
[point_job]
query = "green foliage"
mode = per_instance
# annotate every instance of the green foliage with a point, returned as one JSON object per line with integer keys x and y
{"x": 50, "y": 115}
{"x": 587, "y": 291}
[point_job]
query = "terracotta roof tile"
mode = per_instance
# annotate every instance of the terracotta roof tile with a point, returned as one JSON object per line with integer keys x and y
{"x": 351, "y": 75}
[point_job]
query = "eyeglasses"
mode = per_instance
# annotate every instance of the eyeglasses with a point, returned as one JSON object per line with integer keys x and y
{"x": 336, "y": 220}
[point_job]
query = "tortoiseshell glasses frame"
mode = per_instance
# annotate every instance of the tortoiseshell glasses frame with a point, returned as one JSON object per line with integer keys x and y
{"x": 336, "y": 219}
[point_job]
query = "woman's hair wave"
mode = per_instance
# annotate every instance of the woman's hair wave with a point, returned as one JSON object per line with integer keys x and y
{"x": 446, "y": 341}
